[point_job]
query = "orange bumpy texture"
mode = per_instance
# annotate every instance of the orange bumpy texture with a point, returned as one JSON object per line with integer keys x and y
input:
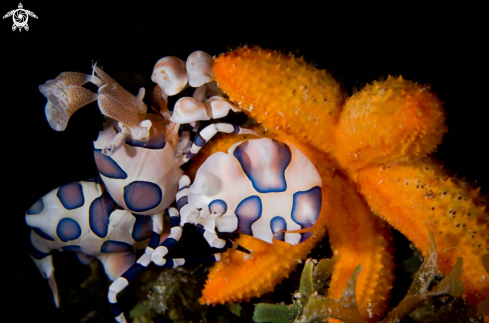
{"x": 278, "y": 91}
{"x": 385, "y": 124}
{"x": 356, "y": 236}
{"x": 453, "y": 210}
{"x": 392, "y": 120}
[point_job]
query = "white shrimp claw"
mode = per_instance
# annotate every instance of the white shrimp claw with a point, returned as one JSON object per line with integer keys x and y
{"x": 170, "y": 74}
{"x": 199, "y": 68}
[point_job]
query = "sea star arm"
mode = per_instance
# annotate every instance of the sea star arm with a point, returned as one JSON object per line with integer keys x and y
{"x": 388, "y": 121}
{"x": 278, "y": 91}
{"x": 409, "y": 195}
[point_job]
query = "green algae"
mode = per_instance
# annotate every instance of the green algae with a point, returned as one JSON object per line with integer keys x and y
{"x": 171, "y": 293}
{"x": 310, "y": 305}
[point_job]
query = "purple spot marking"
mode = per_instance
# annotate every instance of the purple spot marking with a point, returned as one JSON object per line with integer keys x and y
{"x": 190, "y": 155}
{"x": 112, "y": 246}
{"x": 107, "y": 166}
{"x": 36, "y": 253}
{"x": 278, "y": 224}
{"x": 182, "y": 188}
{"x": 143, "y": 228}
{"x": 83, "y": 258}
{"x": 182, "y": 202}
{"x": 218, "y": 207}
{"x": 305, "y": 209}
{"x": 199, "y": 141}
{"x": 142, "y": 196}
{"x": 68, "y": 229}
{"x": 71, "y": 196}
{"x": 42, "y": 234}
{"x": 99, "y": 213}
{"x": 264, "y": 162}
{"x": 235, "y": 129}
{"x": 305, "y": 236}
{"x": 248, "y": 211}
{"x": 36, "y": 208}
{"x": 157, "y": 141}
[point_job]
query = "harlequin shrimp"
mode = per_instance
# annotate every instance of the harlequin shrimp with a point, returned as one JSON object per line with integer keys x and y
{"x": 281, "y": 186}
{"x": 262, "y": 187}
{"x": 83, "y": 218}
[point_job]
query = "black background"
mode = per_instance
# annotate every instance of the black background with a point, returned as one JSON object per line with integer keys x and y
{"x": 445, "y": 47}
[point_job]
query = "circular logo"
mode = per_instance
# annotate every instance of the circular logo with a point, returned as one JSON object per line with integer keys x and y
{"x": 20, "y": 17}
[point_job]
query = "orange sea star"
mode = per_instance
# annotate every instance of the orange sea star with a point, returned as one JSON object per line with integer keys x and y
{"x": 356, "y": 236}
{"x": 377, "y": 138}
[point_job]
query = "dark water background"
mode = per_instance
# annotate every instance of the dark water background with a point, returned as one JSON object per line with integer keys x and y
{"x": 444, "y": 47}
